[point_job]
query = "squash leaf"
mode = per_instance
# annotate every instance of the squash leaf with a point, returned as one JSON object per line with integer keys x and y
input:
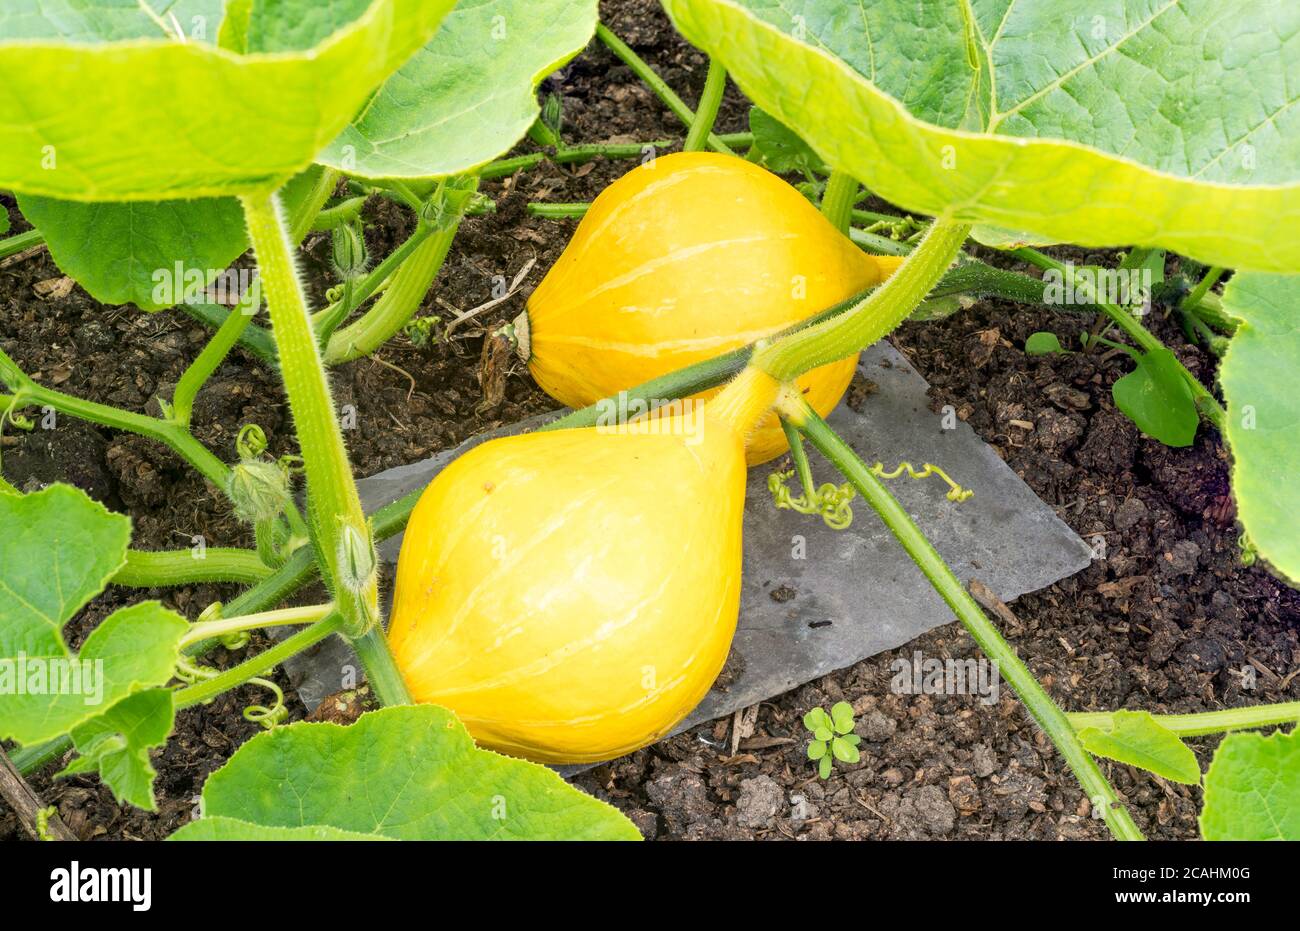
{"x": 469, "y": 94}
{"x": 1151, "y": 123}
{"x": 118, "y": 108}
{"x": 1252, "y": 789}
{"x": 1043, "y": 343}
{"x": 120, "y": 252}
{"x": 410, "y": 773}
{"x": 1155, "y": 396}
{"x": 778, "y": 148}
{"x": 116, "y": 745}
{"x": 58, "y": 550}
{"x": 1136, "y": 738}
{"x": 1258, "y": 377}
{"x": 221, "y": 828}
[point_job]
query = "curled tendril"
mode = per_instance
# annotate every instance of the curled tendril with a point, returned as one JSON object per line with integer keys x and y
{"x": 43, "y": 816}
{"x": 261, "y": 714}
{"x": 292, "y": 464}
{"x": 236, "y": 641}
{"x": 830, "y": 501}
{"x": 1249, "y": 555}
{"x": 251, "y": 441}
{"x": 901, "y": 229}
{"x": 268, "y": 717}
{"x": 955, "y": 491}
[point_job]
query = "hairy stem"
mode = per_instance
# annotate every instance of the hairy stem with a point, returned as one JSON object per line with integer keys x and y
{"x": 715, "y": 82}
{"x": 875, "y": 317}
{"x": 238, "y": 623}
{"x": 837, "y": 203}
{"x": 252, "y": 337}
{"x": 258, "y": 665}
{"x": 574, "y": 154}
{"x": 657, "y": 84}
{"x": 1045, "y": 711}
{"x": 340, "y": 532}
{"x": 20, "y": 243}
{"x": 326, "y": 320}
{"x": 399, "y": 302}
{"x": 213, "y": 354}
{"x": 1197, "y": 294}
{"x": 1204, "y": 722}
{"x": 161, "y": 569}
{"x": 175, "y": 436}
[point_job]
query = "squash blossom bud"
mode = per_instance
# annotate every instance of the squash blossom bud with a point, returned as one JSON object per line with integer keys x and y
{"x": 259, "y": 490}
{"x": 356, "y": 560}
{"x": 348, "y": 251}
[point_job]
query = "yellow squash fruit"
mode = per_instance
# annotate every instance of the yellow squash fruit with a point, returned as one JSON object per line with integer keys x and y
{"x": 681, "y": 260}
{"x": 572, "y": 595}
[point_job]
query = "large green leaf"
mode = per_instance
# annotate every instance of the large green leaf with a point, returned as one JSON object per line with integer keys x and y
{"x": 1252, "y": 789}
{"x": 234, "y": 829}
{"x": 129, "y": 252}
{"x": 1136, "y": 738}
{"x": 1258, "y": 375}
{"x": 118, "y": 114}
{"x": 115, "y": 250}
{"x": 1155, "y": 122}
{"x": 410, "y": 773}
{"x": 58, "y": 550}
{"x": 469, "y": 94}
{"x": 109, "y": 20}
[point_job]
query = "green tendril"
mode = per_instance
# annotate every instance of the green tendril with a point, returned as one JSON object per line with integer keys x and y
{"x": 1249, "y": 555}
{"x": 262, "y": 715}
{"x": 268, "y": 717}
{"x": 955, "y": 491}
{"x": 830, "y": 501}
{"x": 43, "y": 816}
{"x": 251, "y": 441}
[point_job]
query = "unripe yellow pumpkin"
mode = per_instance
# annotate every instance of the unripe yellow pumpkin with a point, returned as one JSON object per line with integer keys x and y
{"x": 572, "y": 595}
{"x": 683, "y": 259}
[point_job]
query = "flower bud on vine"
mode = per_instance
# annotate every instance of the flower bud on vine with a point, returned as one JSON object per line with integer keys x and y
{"x": 259, "y": 490}
{"x": 356, "y": 560}
{"x": 348, "y": 253}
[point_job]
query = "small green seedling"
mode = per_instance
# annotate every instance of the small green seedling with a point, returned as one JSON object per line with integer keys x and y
{"x": 833, "y": 737}
{"x": 1043, "y": 343}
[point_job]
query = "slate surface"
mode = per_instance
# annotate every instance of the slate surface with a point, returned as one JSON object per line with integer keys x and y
{"x": 856, "y": 593}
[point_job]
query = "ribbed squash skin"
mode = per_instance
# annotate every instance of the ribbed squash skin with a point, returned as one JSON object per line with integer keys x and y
{"x": 572, "y": 595}
{"x": 681, "y": 261}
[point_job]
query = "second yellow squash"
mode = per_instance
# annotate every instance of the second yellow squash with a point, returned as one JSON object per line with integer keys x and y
{"x": 680, "y": 260}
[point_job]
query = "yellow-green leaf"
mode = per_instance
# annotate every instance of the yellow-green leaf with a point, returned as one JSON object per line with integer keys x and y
{"x": 157, "y": 118}
{"x": 1149, "y": 122}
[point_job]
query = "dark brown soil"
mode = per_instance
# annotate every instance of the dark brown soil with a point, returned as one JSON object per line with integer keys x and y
{"x": 1168, "y": 621}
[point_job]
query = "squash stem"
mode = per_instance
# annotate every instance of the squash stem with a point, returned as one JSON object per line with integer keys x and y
{"x": 165, "y": 568}
{"x": 1204, "y": 722}
{"x": 874, "y": 317}
{"x": 339, "y": 529}
{"x": 20, "y": 242}
{"x": 748, "y": 397}
{"x": 837, "y": 203}
{"x": 27, "y": 392}
{"x": 213, "y": 354}
{"x": 657, "y": 84}
{"x": 399, "y": 302}
{"x": 257, "y": 665}
{"x": 1045, "y": 711}
{"x": 715, "y": 82}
